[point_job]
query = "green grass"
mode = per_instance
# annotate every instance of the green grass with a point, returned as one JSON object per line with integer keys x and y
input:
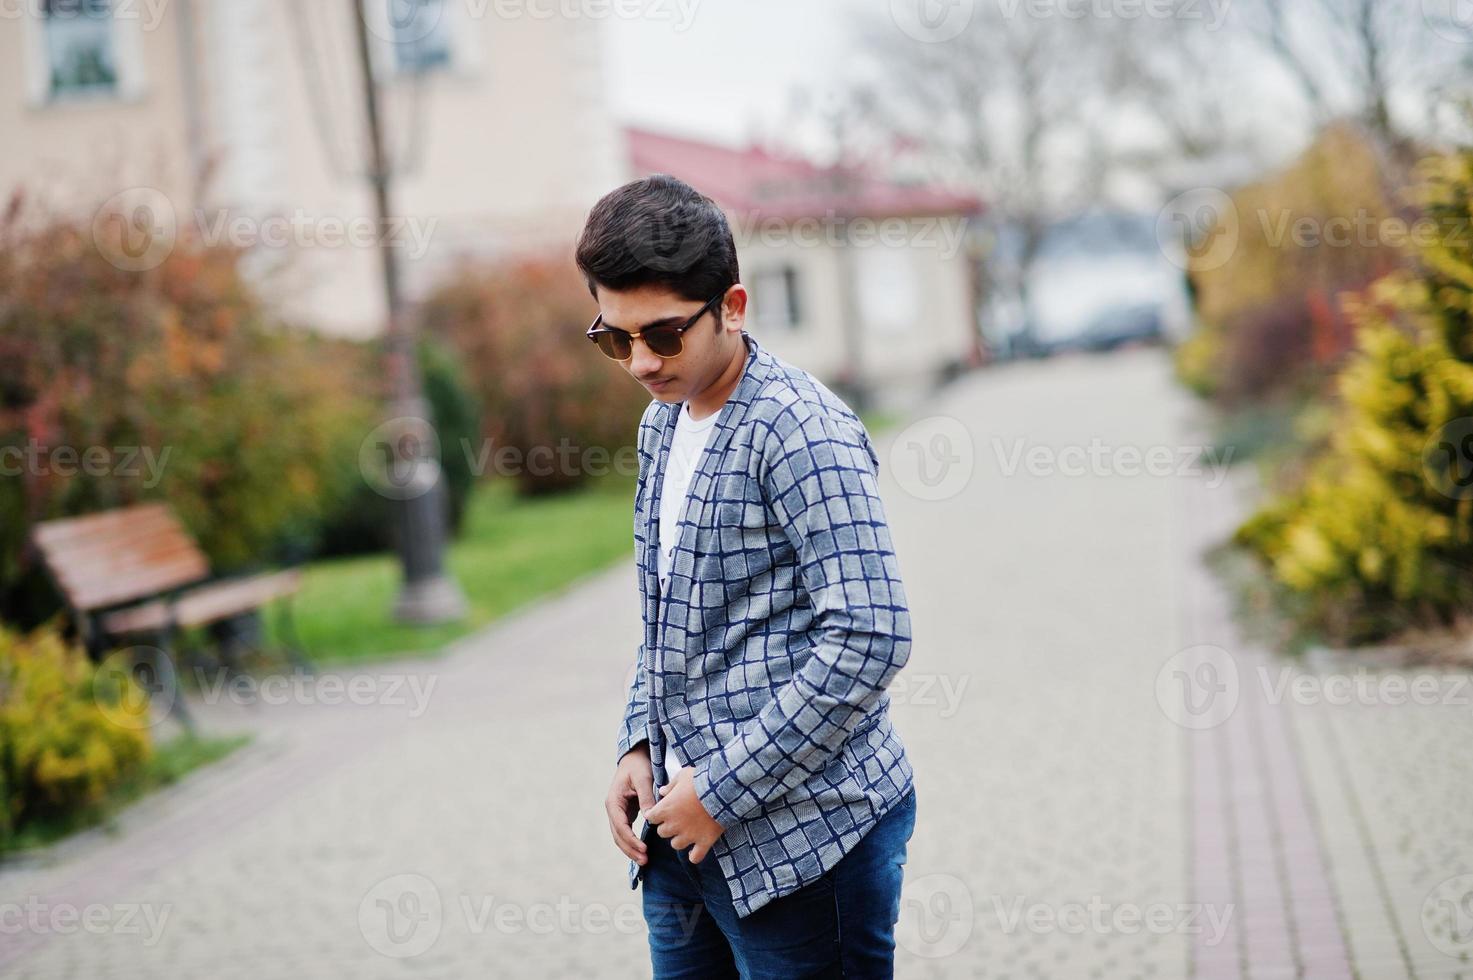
{"x": 510, "y": 551}
{"x": 878, "y": 421}
{"x": 168, "y": 764}
{"x": 1269, "y": 432}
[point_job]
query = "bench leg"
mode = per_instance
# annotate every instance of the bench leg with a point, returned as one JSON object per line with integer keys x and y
{"x": 92, "y": 637}
{"x": 166, "y": 663}
{"x": 230, "y": 643}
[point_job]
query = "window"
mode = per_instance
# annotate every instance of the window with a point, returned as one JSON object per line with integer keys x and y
{"x": 80, "y": 52}
{"x": 888, "y": 289}
{"x": 421, "y": 34}
{"x": 775, "y": 298}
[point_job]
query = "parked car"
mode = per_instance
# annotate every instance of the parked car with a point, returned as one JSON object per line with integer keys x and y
{"x": 1121, "y": 326}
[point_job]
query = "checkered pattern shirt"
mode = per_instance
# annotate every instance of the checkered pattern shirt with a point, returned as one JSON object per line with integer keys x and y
{"x": 784, "y": 621}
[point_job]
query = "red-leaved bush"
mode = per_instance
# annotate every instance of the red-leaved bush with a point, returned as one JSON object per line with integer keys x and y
{"x": 520, "y": 328}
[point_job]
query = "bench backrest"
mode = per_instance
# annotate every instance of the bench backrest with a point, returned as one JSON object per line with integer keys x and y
{"x": 119, "y": 556}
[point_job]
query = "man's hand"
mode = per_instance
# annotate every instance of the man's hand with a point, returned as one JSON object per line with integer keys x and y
{"x": 633, "y": 790}
{"x": 681, "y": 819}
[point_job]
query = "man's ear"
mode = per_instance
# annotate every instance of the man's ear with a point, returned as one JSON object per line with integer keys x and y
{"x": 734, "y": 308}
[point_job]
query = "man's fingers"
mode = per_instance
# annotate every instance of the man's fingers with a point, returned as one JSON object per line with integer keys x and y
{"x": 623, "y": 832}
{"x": 697, "y": 852}
{"x": 646, "y": 791}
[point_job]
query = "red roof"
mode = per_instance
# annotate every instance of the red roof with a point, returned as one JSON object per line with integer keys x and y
{"x": 757, "y": 182}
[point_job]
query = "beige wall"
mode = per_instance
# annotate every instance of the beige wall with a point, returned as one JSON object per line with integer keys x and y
{"x": 77, "y": 153}
{"x": 815, "y": 343}
{"x": 914, "y": 302}
{"x": 512, "y": 143}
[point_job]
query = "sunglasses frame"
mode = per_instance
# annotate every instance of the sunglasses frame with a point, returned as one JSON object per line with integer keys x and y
{"x": 596, "y": 329}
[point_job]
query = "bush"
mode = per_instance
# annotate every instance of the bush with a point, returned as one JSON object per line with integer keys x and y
{"x": 69, "y": 734}
{"x": 363, "y": 522}
{"x": 457, "y": 415}
{"x": 180, "y": 383}
{"x": 1272, "y": 315}
{"x": 518, "y": 329}
{"x": 1380, "y": 536}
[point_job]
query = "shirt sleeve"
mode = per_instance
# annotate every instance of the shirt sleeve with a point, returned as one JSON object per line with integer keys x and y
{"x": 636, "y": 709}
{"x": 632, "y": 729}
{"x": 819, "y": 477}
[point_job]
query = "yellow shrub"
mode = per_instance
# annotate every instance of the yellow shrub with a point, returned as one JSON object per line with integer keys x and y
{"x": 1380, "y": 535}
{"x": 68, "y": 732}
{"x": 1197, "y": 361}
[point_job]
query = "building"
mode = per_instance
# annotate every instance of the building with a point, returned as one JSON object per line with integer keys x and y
{"x": 241, "y": 120}
{"x": 870, "y": 284}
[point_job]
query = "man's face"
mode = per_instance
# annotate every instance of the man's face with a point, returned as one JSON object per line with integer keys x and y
{"x": 708, "y": 345}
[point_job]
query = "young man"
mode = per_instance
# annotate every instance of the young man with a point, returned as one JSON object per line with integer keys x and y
{"x": 757, "y": 739}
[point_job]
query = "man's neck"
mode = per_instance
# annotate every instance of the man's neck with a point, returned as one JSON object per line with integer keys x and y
{"x": 709, "y": 401}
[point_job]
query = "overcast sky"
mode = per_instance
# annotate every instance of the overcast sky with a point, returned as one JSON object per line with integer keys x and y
{"x": 727, "y": 70}
{"x": 732, "y": 67}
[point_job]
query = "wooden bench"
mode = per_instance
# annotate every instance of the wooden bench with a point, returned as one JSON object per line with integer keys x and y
{"x": 137, "y": 572}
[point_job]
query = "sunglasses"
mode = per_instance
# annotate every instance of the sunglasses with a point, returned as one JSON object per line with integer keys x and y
{"x": 663, "y": 339}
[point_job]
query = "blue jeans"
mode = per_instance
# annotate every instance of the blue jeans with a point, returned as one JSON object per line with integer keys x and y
{"x": 842, "y": 925}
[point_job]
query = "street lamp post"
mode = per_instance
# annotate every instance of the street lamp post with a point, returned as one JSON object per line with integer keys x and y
{"x": 428, "y": 594}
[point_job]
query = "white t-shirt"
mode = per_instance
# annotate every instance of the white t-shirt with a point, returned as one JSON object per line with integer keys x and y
{"x": 686, "y": 448}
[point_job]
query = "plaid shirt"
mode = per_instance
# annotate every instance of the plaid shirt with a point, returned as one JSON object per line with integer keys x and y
{"x": 785, "y": 620}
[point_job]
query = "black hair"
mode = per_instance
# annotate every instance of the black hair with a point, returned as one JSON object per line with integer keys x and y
{"x": 658, "y": 231}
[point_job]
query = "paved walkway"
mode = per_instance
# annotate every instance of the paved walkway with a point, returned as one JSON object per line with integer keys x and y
{"x": 1111, "y": 783}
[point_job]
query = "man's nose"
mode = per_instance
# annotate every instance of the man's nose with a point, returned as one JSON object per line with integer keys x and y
{"x": 643, "y": 361}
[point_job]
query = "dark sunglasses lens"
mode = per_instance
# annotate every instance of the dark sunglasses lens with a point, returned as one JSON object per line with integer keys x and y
{"x": 664, "y": 341}
{"x": 615, "y": 344}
